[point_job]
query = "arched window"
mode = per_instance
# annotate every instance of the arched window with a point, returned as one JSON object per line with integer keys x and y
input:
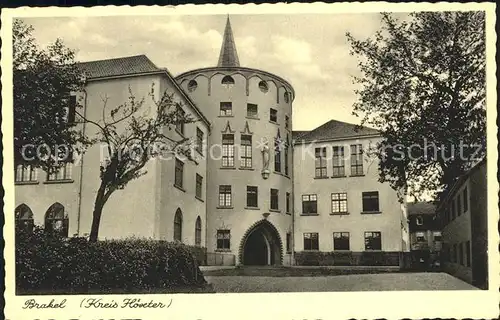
{"x": 227, "y": 81}
{"x": 178, "y": 225}
{"x": 287, "y": 97}
{"x": 263, "y": 86}
{"x": 197, "y": 232}
{"x": 24, "y": 218}
{"x": 192, "y": 85}
{"x": 56, "y": 221}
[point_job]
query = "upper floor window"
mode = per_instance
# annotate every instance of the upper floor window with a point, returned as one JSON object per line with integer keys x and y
{"x": 339, "y": 202}
{"x": 263, "y": 86}
{"x": 252, "y": 197}
{"x": 373, "y": 240}
{"x": 356, "y": 160}
{"x": 273, "y": 115}
{"x": 309, "y": 204}
{"x": 199, "y": 140}
{"x": 277, "y": 154}
{"x": 286, "y": 96}
{"x": 227, "y": 150}
{"x": 226, "y": 109}
{"x": 419, "y": 220}
{"x": 62, "y": 173}
{"x": 71, "y": 110}
{"x": 199, "y": 186}
{"x": 338, "y": 161}
{"x": 420, "y": 237}
{"x": 25, "y": 173}
{"x": 274, "y": 199}
{"x": 288, "y": 201}
{"x": 287, "y": 122}
{"x": 246, "y": 151}
{"x": 179, "y": 173}
{"x": 252, "y": 110}
{"x": 227, "y": 81}
{"x": 192, "y": 85}
{"x": 437, "y": 235}
{"x": 320, "y": 162}
{"x": 179, "y": 126}
{"x": 225, "y": 197}
{"x": 370, "y": 201}
{"x": 286, "y": 153}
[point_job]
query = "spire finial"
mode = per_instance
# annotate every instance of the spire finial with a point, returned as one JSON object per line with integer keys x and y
{"x": 228, "y": 56}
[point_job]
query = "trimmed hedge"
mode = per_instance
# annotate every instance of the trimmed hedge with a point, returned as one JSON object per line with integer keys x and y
{"x": 347, "y": 258}
{"x": 48, "y": 264}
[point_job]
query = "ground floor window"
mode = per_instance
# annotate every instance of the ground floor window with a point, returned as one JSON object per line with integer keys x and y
{"x": 288, "y": 242}
{"x": 223, "y": 239}
{"x": 311, "y": 241}
{"x": 56, "y": 220}
{"x": 24, "y": 218}
{"x": 341, "y": 241}
{"x": 373, "y": 240}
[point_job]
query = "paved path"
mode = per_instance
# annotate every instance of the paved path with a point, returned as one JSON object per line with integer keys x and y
{"x": 360, "y": 282}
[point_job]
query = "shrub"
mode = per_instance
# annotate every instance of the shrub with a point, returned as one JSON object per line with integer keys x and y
{"x": 56, "y": 265}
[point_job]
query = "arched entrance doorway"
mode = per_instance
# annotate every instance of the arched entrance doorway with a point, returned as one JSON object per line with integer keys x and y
{"x": 261, "y": 245}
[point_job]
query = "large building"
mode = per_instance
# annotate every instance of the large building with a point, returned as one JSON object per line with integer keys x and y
{"x": 253, "y": 195}
{"x": 464, "y": 215}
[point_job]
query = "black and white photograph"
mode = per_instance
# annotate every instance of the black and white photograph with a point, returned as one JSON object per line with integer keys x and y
{"x": 156, "y": 157}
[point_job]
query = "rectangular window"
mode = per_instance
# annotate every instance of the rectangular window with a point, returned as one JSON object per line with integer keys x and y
{"x": 179, "y": 126}
{"x": 311, "y": 241}
{"x": 246, "y": 151}
{"x": 252, "y": 110}
{"x": 63, "y": 173}
{"x": 179, "y": 173}
{"x": 437, "y": 236}
{"x": 373, "y": 240}
{"x": 341, "y": 241}
{"x": 223, "y": 239}
{"x": 459, "y": 205}
{"x": 287, "y": 122}
{"x": 338, "y": 161}
{"x": 274, "y": 199}
{"x": 273, "y": 115}
{"x": 199, "y": 186}
{"x": 286, "y": 157}
{"x": 420, "y": 237}
{"x": 225, "y": 199}
{"x": 466, "y": 199}
{"x": 199, "y": 140}
{"x": 356, "y": 160}
{"x": 71, "y": 111}
{"x": 277, "y": 155}
{"x": 370, "y": 201}
{"x": 228, "y": 150}
{"x": 467, "y": 253}
{"x": 288, "y": 242}
{"x": 320, "y": 162}
{"x": 461, "y": 253}
{"x": 339, "y": 202}
{"x": 288, "y": 202}
{"x": 309, "y": 204}
{"x": 25, "y": 173}
{"x": 226, "y": 109}
{"x": 252, "y": 197}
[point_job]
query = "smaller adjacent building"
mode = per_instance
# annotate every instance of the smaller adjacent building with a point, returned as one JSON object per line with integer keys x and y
{"x": 425, "y": 234}
{"x": 464, "y": 215}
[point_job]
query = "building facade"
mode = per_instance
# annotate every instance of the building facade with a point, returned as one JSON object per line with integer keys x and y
{"x": 254, "y": 195}
{"x": 425, "y": 234}
{"x": 463, "y": 214}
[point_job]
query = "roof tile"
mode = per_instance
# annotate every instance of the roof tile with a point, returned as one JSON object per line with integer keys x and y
{"x": 118, "y": 67}
{"x": 334, "y": 129}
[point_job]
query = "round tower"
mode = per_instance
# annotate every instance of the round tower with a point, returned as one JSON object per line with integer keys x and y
{"x": 249, "y": 159}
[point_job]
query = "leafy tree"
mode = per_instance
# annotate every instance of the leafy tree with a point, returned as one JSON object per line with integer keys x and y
{"x": 131, "y": 138}
{"x": 423, "y": 86}
{"x": 43, "y": 80}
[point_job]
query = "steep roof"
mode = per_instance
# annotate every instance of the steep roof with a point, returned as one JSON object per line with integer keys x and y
{"x": 423, "y": 208}
{"x": 228, "y": 56}
{"x": 334, "y": 129}
{"x": 118, "y": 67}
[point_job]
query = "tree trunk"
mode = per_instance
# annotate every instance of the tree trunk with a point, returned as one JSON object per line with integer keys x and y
{"x": 96, "y": 217}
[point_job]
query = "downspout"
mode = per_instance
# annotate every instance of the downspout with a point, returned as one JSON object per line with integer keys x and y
{"x": 81, "y": 168}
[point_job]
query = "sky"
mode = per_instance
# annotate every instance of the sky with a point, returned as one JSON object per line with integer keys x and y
{"x": 308, "y": 50}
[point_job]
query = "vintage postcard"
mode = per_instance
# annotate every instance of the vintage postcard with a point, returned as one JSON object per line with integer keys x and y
{"x": 276, "y": 161}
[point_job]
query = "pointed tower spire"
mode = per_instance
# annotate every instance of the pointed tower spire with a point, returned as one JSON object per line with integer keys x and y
{"x": 228, "y": 56}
